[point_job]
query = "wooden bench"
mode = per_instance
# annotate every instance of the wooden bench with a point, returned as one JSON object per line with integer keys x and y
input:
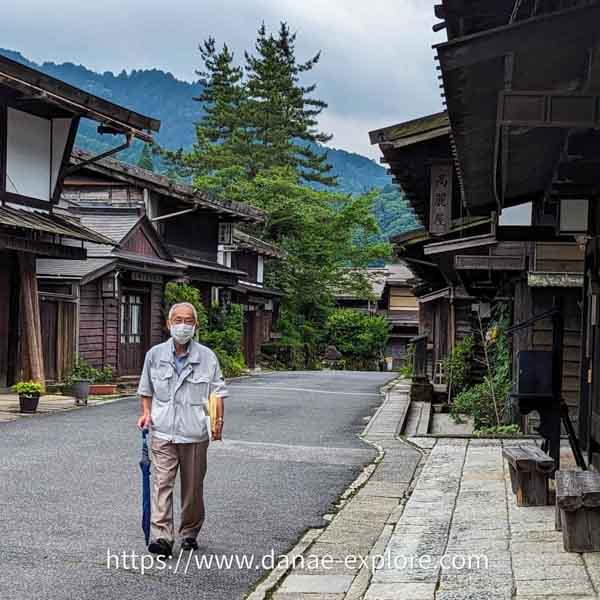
{"x": 530, "y": 469}
{"x": 578, "y": 510}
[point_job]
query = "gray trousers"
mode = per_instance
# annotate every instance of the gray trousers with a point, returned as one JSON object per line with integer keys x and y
{"x": 190, "y": 459}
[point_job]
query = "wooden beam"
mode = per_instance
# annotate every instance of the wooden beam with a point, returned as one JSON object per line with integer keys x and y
{"x": 536, "y": 108}
{"x": 475, "y": 241}
{"x": 472, "y": 262}
{"x": 530, "y": 35}
{"x": 9, "y": 242}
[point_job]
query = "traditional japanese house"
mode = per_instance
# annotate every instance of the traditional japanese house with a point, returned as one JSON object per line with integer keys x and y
{"x": 391, "y": 296}
{"x": 521, "y": 81}
{"x": 39, "y": 118}
{"x": 464, "y": 260}
{"x": 419, "y": 154}
{"x": 260, "y": 303}
{"x": 399, "y": 305}
{"x": 107, "y": 309}
{"x": 197, "y": 231}
{"x": 193, "y": 224}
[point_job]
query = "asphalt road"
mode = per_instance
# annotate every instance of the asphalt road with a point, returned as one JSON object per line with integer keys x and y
{"x": 70, "y": 489}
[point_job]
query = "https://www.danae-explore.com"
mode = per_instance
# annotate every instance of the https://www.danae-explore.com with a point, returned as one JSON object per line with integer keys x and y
{"x": 186, "y": 562}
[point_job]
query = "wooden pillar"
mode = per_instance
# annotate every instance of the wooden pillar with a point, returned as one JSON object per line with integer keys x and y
{"x": 30, "y": 316}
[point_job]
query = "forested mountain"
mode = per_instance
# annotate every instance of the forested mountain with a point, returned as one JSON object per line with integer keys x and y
{"x": 160, "y": 95}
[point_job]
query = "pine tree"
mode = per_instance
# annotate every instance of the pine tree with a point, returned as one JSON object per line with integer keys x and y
{"x": 279, "y": 110}
{"x": 220, "y": 140}
{"x": 145, "y": 160}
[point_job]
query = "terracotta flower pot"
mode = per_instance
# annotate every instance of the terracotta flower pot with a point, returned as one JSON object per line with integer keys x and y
{"x": 103, "y": 389}
{"x": 28, "y": 403}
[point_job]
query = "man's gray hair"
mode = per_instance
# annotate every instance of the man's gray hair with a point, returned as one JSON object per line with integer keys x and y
{"x": 181, "y": 305}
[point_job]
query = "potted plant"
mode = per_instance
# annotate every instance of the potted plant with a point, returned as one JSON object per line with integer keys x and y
{"x": 79, "y": 381}
{"x": 103, "y": 383}
{"x": 29, "y": 395}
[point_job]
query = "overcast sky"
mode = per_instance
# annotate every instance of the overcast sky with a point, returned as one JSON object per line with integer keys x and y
{"x": 376, "y": 69}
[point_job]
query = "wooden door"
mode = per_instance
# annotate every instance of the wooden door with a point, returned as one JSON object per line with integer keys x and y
{"x": 59, "y": 330}
{"x": 49, "y": 328}
{"x": 134, "y": 331}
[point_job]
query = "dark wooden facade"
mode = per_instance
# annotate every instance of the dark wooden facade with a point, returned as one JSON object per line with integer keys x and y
{"x": 260, "y": 304}
{"x": 521, "y": 83}
{"x": 114, "y": 299}
{"x": 39, "y": 119}
{"x": 465, "y": 259}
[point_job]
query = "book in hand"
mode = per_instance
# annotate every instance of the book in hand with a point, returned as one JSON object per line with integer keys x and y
{"x": 215, "y": 412}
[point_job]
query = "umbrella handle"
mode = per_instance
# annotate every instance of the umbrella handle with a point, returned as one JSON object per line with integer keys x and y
{"x": 145, "y": 433}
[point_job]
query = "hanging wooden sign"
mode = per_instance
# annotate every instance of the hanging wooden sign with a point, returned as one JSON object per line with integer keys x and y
{"x": 440, "y": 214}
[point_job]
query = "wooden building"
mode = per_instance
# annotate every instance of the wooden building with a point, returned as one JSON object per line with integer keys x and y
{"x": 249, "y": 255}
{"x": 193, "y": 224}
{"x": 391, "y": 296}
{"x": 197, "y": 231}
{"x": 108, "y": 309}
{"x": 463, "y": 260}
{"x": 522, "y": 83}
{"x": 39, "y": 119}
{"x": 419, "y": 154}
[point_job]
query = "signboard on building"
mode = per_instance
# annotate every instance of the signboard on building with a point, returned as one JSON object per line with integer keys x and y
{"x": 440, "y": 215}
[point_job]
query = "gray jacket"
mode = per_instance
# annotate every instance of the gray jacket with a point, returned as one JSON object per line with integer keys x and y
{"x": 180, "y": 402}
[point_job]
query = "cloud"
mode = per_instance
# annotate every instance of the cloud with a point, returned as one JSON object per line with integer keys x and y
{"x": 376, "y": 67}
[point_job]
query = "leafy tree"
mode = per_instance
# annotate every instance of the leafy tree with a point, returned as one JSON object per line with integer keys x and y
{"x": 361, "y": 338}
{"x": 487, "y": 400}
{"x": 145, "y": 160}
{"x": 256, "y": 144}
{"x": 224, "y": 337}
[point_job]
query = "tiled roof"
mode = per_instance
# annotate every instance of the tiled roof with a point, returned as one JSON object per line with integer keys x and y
{"x": 114, "y": 168}
{"x": 436, "y": 124}
{"x": 70, "y": 269}
{"x": 54, "y": 224}
{"x": 246, "y": 241}
{"x": 31, "y": 83}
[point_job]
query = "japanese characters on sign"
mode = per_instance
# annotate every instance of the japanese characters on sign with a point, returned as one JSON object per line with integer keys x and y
{"x": 441, "y": 199}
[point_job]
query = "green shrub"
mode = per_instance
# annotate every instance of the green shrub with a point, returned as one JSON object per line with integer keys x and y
{"x": 487, "y": 401}
{"x": 82, "y": 370}
{"x": 359, "y": 336}
{"x": 104, "y": 375}
{"x": 223, "y": 335}
{"x": 28, "y": 387}
{"x": 458, "y": 365}
{"x": 407, "y": 368}
{"x": 511, "y": 429}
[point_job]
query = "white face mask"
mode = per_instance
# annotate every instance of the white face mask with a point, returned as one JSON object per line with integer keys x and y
{"x": 182, "y": 333}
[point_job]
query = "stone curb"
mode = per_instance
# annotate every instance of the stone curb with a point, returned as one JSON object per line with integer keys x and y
{"x": 274, "y": 585}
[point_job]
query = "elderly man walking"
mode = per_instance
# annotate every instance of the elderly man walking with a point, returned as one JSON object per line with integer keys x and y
{"x": 178, "y": 377}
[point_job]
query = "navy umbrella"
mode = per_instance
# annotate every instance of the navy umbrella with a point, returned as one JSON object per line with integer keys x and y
{"x": 145, "y": 467}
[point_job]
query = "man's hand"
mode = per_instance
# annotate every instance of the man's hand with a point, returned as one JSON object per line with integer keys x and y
{"x": 144, "y": 421}
{"x": 217, "y": 432}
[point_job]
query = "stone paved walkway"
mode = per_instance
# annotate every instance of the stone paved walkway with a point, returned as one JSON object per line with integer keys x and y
{"x": 462, "y": 513}
{"x": 9, "y": 405}
{"x": 362, "y": 527}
